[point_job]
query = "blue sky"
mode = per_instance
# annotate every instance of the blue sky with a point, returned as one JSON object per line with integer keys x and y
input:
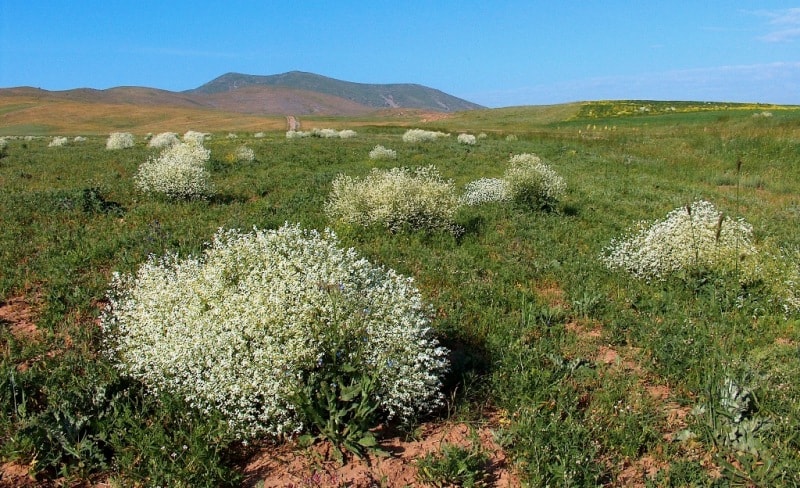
{"x": 497, "y": 53}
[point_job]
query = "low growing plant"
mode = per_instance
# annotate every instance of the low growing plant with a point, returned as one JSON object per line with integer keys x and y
{"x": 400, "y": 197}
{"x": 467, "y": 139}
{"x": 486, "y": 190}
{"x": 244, "y": 329}
{"x": 455, "y": 465}
{"x": 532, "y": 182}
{"x": 58, "y": 142}
{"x": 380, "y": 152}
{"x": 420, "y": 135}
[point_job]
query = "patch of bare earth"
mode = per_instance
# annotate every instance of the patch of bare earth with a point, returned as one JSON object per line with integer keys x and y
{"x": 290, "y": 466}
{"x": 18, "y": 315}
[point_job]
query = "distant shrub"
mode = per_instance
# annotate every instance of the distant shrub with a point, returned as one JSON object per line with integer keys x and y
{"x": 58, "y": 142}
{"x": 691, "y": 238}
{"x": 164, "y": 139}
{"x": 467, "y": 139}
{"x": 259, "y": 135}
{"x": 297, "y": 134}
{"x": 486, "y": 190}
{"x": 332, "y": 133}
{"x": 245, "y": 154}
{"x": 194, "y": 137}
{"x": 380, "y": 152}
{"x": 418, "y": 199}
{"x": 533, "y": 182}
{"x": 178, "y": 173}
{"x": 231, "y": 135}
{"x": 482, "y": 135}
{"x": 511, "y": 138}
{"x": 420, "y": 135}
{"x": 347, "y": 134}
{"x": 763, "y": 115}
{"x": 119, "y": 140}
{"x": 3, "y": 143}
{"x": 246, "y": 327}
{"x": 79, "y": 139}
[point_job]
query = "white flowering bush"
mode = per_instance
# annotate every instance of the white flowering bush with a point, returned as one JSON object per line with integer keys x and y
{"x": 259, "y": 135}
{"x": 3, "y": 143}
{"x": 245, "y": 154}
{"x": 177, "y": 173}
{"x": 396, "y": 198}
{"x": 486, "y": 190}
{"x": 511, "y": 138}
{"x": 467, "y": 139}
{"x": 239, "y": 329}
{"x": 119, "y": 140}
{"x": 164, "y": 139}
{"x": 297, "y": 134}
{"x": 421, "y": 135}
{"x": 533, "y": 182}
{"x": 194, "y": 137}
{"x": 79, "y": 139}
{"x": 380, "y": 152}
{"x": 58, "y": 142}
{"x": 695, "y": 237}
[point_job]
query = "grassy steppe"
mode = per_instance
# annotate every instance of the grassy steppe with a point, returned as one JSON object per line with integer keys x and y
{"x": 598, "y": 379}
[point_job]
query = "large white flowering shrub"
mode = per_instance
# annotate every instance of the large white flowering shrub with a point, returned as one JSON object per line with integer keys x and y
{"x": 178, "y": 173}
{"x": 533, "y": 182}
{"x": 694, "y": 237}
{"x": 238, "y": 329}
{"x": 164, "y": 139}
{"x": 396, "y": 198}
{"x": 486, "y": 190}
{"x": 380, "y": 152}
{"x": 421, "y": 135}
{"x": 467, "y": 139}
{"x": 119, "y": 140}
{"x": 297, "y": 134}
{"x": 194, "y": 137}
{"x": 58, "y": 141}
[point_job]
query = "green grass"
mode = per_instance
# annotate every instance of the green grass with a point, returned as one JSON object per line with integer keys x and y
{"x": 515, "y": 297}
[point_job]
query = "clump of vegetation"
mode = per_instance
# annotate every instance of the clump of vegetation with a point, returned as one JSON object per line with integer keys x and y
{"x": 398, "y": 198}
{"x": 297, "y": 134}
{"x": 532, "y": 182}
{"x": 325, "y": 133}
{"x": 486, "y": 190}
{"x": 467, "y": 139}
{"x": 245, "y": 154}
{"x": 455, "y": 465}
{"x": 119, "y": 140}
{"x": 696, "y": 237}
{"x": 58, "y": 142}
{"x": 242, "y": 329}
{"x": 194, "y": 137}
{"x": 177, "y": 173}
{"x": 380, "y": 152}
{"x": 421, "y": 135}
{"x": 164, "y": 139}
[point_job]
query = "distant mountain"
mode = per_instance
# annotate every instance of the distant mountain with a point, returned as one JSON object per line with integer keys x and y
{"x": 375, "y": 96}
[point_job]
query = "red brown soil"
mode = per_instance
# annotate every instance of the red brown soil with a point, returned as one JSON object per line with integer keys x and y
{"x": 18, "y": 315}
{"x": 288, "y": 466}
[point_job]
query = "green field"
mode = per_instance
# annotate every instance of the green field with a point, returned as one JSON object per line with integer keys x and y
{"x": 601, "y": 379}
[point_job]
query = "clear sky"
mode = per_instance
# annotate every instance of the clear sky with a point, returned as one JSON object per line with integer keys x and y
{"x": 495, "y": 53}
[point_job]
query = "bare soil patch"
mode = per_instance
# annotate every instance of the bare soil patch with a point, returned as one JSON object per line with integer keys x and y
{"x": 19, "y": 316}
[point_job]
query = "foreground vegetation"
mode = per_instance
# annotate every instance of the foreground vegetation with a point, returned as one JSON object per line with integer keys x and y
{"x": 597, "y": 376}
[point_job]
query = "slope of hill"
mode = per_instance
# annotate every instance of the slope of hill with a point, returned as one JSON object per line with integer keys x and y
{"x": 396, "y": 95}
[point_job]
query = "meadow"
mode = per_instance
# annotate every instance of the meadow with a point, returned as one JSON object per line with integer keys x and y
{"x": 597, "y": 378}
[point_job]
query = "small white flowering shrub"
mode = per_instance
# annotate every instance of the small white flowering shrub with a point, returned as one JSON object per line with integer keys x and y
{"x": 119, "y": 140}
{"x": 164, "y": 139}
{"x": 486, "y": 190}
{"x": 259, "y": 135}
{"x": 397, "y": 198}
{"x": 420, "y": 135}
{"x": 467, "y": 139}
{"x": 3, "y": 143}
{"x": 58, "y": 142}
{"x": 695, "y": 237}
{"x": 380, "y": 152}
{"x": 331, "y": 133}
{"x": 231, "y": 135}
{"x": 245, "y": 154}
{"x": 347, "y": 134}
{"x": 79, "y": 139}
{"x": 511, "y": 138}
{"x": 177, "y": 173}
{"x": 194, "y": 137}
{"x": 533, "y": 182}
{"x": 297, "y": 134}
{"x": 239, "y": 329}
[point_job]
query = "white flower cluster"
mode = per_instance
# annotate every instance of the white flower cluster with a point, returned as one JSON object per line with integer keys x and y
{"x": 380, "y": 152}
{"x": 421, "y": 135}
{"x": 119, "y": 140}
{"x": 467, "y": 139}
{"x": 164, "y": 139}
{"x": 486, "y": 190}
{"x": 194, "y": 137}
{"x": 331, "y": 133}
{"x": 3, "y": 143}
{"x": 533, "y": 182}
{"x": 178, "y": 173}
{"x": 231, "y": 135}
{"x": 396, "y": 198}
{"x": 79, "y": 139}
{"x": 238, "y": 329}
{"x": 297, "y": 134}
{"x": 58, "y": 142}
{"x": 697, "y": 236}
{"x": 245, "y": 154}
{"x": 259, "y": 135}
